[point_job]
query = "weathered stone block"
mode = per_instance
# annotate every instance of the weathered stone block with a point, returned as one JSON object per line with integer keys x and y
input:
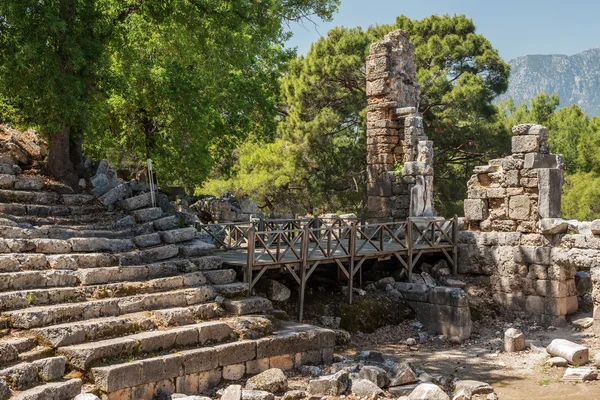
{"x": 533, "y": 254}
{"x": 538, "y": 160}
{"x": 519, "y": 207}
{"x": 550, "y": 183}
{"x": 475, "y": 209}
{"x": 525, "y": 144}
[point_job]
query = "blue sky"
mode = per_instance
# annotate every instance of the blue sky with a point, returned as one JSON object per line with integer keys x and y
{"x": 515, "y": 28}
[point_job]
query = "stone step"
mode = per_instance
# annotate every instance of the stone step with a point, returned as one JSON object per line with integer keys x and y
{"x": 60, "y": 390}
{"x": 41, "y": 210}
{"x": 35, "y": 317}
{"x": 234, "y": 289}
{"x": 53, "y": 232}
{"x": 36, "y": 297}
{"x": 248, "y": 305}
{"x": 26, "y": 375}
{"x": 22, "y": 196}
{"x": 197, "y": 370}
{"x": 136, "y": 202}
{"x": 109, "y": 327}
{"x": 85, "y": 355}
{"x": 179, "y": 235}
{"x": 147, "y": 214}
{"x": 60, "y": 246}
{"x": 98, "y": 220}
{"x": 210, "y": 265}
{"x": 16, "y": 262}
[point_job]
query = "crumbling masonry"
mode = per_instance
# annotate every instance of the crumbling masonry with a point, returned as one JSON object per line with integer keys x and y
{"x": 515, "y": 233}
{"x": 399, "y": 156}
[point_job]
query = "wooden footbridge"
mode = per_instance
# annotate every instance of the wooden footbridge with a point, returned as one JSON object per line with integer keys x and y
{"x": 302, "y": 245}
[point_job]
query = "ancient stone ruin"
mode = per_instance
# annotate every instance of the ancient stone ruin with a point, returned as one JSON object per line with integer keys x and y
{"x": 399, "y": 156}
{"x": 515, "y": 235}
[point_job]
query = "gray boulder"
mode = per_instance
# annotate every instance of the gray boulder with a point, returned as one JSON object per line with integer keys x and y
{"x": 233, "y": 392}
{"x": 365, "y": 388}
{"x": 401, "y": 374}
{"x": 428, "y": 391}
{"x": 475, "y": 387}
{"x": 374, "y": 374}
{"x": 329, "y": 385}
{"x": 277, "y": 291}
{"x": 271, "y": 380}
{"x": 256, "y": 395}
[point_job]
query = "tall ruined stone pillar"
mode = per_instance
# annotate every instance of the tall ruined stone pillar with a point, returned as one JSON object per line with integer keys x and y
{"x": 399, "y": 156}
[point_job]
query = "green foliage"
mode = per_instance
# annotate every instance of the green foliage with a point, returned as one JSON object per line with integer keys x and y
{"x": 180, "y": 81}
{"x": 581, "y": 196}
{"x": 324, "y": 94}
{"x": 48, "y": 54}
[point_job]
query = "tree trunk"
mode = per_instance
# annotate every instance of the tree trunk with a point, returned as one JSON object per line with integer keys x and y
{"x": 59, "y": 158}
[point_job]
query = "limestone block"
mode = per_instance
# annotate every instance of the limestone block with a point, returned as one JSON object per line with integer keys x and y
{"x": 521, "y": 129}
{"x": 428, "y": 391}
{"x": 377, "y": 87}
{"x": 365, "y": 388}
{"x": 550, "y": 182}
{"x": 329, "y": 385}
{"x": 475, "y": 209}
{"x": 525, "y": 144}
{"x": 374, "y": 374}
{"x": 414, "y": 168}
{"x": 572, "y": 352}
{"x": 284, "y": 362}
{"x": 7, "y": 181}
{"x": 52, "y": 368}
{"x": 377, "y": 64}
{"x": 448, "y": 296}
{"x": 538, "y": 130}
{"x": 595, "y": 227}
{"x": 533, "y": 254}
{"x": 514, "y": 340}
{"x": 551, "y": 226}
{"x": 26, "y": 182}
{"x": 538, "y": 160}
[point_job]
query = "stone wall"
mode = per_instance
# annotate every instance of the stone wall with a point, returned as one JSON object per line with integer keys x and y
{"x": 514, "y": 233}
{"x": 399, "y": 156}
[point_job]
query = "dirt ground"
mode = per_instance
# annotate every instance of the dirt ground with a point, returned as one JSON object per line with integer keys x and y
{"x": 513, "y": 376}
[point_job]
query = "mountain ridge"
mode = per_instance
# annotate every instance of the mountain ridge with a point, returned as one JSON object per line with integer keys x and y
{"x": 575, "y": 78}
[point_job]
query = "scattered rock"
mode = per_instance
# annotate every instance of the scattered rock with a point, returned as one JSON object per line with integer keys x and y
{"x": 428, "y": 279}
{"x": 514, "y": 340}
{"x": 403, "y": 390}
{"x": 580, "y": 374}
{"x": 294, "y": 395}
{"x": 329, "y": 385}
{"x": 401, "y": 374}
{"x": 310, "y": 370}
{"x": 557, "y": 362}
{"x": 462, "y": 394}
{"x": 428, "y": 391}
{"x": 597, "y": 360}
{"x": 411, "y": 342}
{"x": 572, "y": 352}
{"x": 233, "y": 392}
{"x": 583, "y": 323}
{"x": 347, "y": 366}
{"x": 86, "y": 396}
{"x": 492, "y": 396}
{"x": 342, "y": 337}
{"x": 277, "y": 291}
{"x": 374, "y": 374}
{"x": 475, "y": 387}
{"x": 370, "y": 355}
{"x": 455, "y": 283}
{"x": 382, "y": 283}
{"x": 365, "y": 388}
{"x": 271, "y": 380}
{"x": 256, "y": 395}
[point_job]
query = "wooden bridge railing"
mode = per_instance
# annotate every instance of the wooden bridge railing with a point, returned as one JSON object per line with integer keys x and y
{"x": 302, "y": 245}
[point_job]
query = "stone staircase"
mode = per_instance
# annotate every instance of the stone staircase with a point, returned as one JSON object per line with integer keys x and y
{"x": 105, "y": 293}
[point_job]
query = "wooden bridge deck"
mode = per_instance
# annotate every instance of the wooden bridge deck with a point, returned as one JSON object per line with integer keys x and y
{"x": 300, "y": 246}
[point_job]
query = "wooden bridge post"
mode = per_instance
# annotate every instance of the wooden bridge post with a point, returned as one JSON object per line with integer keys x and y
{"x": 455, "y": 245}
{"x": 352, "y": 250}
{"x": 303, "y": 265}
{"x": 409, "y": 240}
{"x": 250, "y": 257}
